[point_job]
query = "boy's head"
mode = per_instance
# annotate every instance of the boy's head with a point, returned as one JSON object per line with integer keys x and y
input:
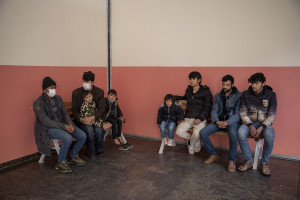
{"x": 169, "y": 99}
{"x": 88, "y": 80}
{"x": 257, "y": 81}
{"x": 87, "y": 96}
{"x": 195, "y": 78}
{"x": 112, "y": 94}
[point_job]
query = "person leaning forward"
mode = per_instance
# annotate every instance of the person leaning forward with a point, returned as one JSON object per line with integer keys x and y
{"x": 53, "y": 122}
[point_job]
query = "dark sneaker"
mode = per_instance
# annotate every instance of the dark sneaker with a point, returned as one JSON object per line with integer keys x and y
{"x": 129, "y": 145}
{"x": 63, "y": 167}
{"x": 124, "y": 147}
{"x": 76, "y": 160}
{"x": 100, "y": 153}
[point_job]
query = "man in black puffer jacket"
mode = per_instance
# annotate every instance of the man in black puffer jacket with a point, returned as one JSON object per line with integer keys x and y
{"x": 199, "y": 103}
{"x": 168, "y": 116}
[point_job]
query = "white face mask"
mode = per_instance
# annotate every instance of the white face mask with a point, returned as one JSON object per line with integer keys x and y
{"x": 51, "y": 93}
{"x": 87, "y": 86}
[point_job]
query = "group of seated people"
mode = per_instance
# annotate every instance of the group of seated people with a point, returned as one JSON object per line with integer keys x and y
{"x": 93, "y": 115}
{"x": 240, "y": 114}
{"x": 251, "y": 112}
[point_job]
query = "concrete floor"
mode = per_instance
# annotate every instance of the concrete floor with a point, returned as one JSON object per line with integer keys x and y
{"x": 142, "y": 173}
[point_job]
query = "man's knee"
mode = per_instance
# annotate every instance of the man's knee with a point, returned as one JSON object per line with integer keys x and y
{"x": 268, "y": 134}
{"x": 242, "y": 132}
{"x": 180, "y": 131}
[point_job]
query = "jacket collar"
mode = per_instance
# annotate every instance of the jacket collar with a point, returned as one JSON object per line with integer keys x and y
{"x": 234, "y": 90}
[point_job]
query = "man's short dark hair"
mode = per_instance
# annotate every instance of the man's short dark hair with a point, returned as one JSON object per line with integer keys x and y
{"x": 169, "y": 97}
{"x": 195, "y": 74}
{"x": 88, "y": 76}
{"x": 257, "y": 77}
{"x": 228, "y": 78}
{"x": 112, "y": 92}
{"x": 85, "y": 93}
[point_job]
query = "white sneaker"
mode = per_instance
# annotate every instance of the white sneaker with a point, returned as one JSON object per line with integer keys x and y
{"x": 197, "y": 146}
{"x": 165, "y": 140}
{"x": 191, "y": 150}
{"x": 170, "y": 142}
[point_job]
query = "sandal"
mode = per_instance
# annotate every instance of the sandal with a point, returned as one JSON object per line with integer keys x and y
{"x": 265, "y": 169}
{"x": 246, "y": 166}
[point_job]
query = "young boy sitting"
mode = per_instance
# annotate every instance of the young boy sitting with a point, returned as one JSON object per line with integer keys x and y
{"x": 88, "y": 108}
{"x": 168, "y": 116}
{"x": 114, "y": 115}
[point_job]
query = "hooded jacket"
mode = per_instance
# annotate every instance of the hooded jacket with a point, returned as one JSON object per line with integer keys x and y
{"x": 198, "y": 104}
{"x": 232, "y": 106}
{"x": 45, "y": 119}
{"x": 260, "y": 108}
{"x": 170, "y": 114}
{"x": 117, "y": 113}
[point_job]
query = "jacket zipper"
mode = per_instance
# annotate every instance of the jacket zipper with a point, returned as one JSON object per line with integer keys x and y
{"x": 168, "y": 114}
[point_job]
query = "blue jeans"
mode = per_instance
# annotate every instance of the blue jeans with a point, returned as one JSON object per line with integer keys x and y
{"x": 171, "y": 127}
{"x": 268, "y": 134}
{"x": 66, "y": 138}
{"x": 233, "y": 139}
{"x": 91, "y": 132}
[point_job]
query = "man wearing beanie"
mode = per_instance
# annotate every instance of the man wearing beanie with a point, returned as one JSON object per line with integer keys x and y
{"x": 53, "y": 122}
{"x": 86, "y": 123}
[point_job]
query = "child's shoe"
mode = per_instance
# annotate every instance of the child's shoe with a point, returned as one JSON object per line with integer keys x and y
{"x": 170, "y": 142}
{"x": 165, "y": 140}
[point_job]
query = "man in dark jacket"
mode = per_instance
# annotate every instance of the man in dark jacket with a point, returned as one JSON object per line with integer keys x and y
{"x": 86, "y": 123}
{"x": 199, "y": 102}
{"x": 53, "y": 121}
{"x": 258, "y": 112}
{"x": 225, "y": 115}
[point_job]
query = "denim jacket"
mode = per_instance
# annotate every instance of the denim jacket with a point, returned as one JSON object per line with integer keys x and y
{"x": 232, "y": 107}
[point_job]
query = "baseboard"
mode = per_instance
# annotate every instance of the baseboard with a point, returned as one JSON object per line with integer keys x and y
{"x": 14, "y": 163}
{"x": 278, "y": 156}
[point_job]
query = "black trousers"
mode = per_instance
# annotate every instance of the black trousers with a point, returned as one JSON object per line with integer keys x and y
{"x": 116, "y": 126}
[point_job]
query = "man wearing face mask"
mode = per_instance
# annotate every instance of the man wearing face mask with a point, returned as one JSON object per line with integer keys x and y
{"x": 86, "y": 124}
{"x": 53, "y": 121}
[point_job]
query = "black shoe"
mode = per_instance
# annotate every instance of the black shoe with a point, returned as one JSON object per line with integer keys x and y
{"x": 129, "y": 145}
{"x": 92, "y": 156}
{"x": 100, "y": 153}
{"x": 124, "y": 147}
{"x": 76, "y": 160}
{"x": 63, "y": 167}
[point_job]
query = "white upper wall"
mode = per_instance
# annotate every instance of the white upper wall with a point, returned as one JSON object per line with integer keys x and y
{"x": 205, "y": 33}
{"x": 53, "y": 32}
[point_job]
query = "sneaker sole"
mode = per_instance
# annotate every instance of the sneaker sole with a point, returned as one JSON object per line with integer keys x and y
{"x": 62, "y": 171}
{"x": 122, "y": 149}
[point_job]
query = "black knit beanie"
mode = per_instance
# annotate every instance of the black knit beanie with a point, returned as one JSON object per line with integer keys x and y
{"x": 47, "y": 82}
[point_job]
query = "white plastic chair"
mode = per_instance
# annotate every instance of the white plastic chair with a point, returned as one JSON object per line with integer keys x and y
{"x": 56, "y": 147}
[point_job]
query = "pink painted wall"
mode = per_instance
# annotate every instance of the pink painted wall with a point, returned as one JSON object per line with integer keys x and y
{"x": 20, "y": 86}
{"x": 142, "y": 89}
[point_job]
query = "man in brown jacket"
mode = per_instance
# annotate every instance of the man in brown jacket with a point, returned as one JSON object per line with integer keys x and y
{"x": 87, "y": 123}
